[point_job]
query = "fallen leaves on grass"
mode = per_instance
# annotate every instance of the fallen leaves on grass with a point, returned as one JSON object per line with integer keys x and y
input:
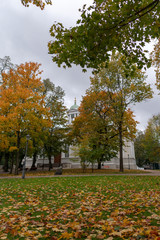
{"x": 80, "y": 208}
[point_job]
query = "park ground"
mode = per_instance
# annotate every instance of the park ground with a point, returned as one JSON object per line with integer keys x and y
{"x": 78, "y": 172}
{"x": 80, "y": 207}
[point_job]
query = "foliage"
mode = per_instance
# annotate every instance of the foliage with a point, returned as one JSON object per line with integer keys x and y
{"x": 38, "y": 3}
{"x": 140, "y": 150}
{"x": 156, "y": 61}
{"x": 152, "y": 139}
{"x": 88, "y": 153}
{"x": 22, "y": 109}
{"x": 94, "y": 128}
{"x": 103, "y": 27}
{"x": 147, "y": 143}
{"x": 100, "y": 207}
{"x": 56, "y": 135}
{"x": 125, "y": 85}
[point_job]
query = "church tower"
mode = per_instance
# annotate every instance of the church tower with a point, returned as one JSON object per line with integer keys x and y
{"x": 73, "y": 112}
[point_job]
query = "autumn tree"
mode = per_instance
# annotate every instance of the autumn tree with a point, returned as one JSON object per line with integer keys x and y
{"x": 55, "y": 136}
{"x": 96, "y": 129}
{"x": 125, "y": 85}
{"x": 22, "y": 108}
{"x": 125, "y": 26}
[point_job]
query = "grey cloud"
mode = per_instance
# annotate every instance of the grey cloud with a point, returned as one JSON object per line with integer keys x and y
{"x": 24, "y": 36}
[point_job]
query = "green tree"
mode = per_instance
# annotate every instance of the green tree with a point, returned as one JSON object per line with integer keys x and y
{"x": 140, "y": 150}
{"x": 84, "y": 151}
{"x": 156, "y": 61}
{"x": 103, "y": 27}
{"x": 125, "y": 85}
{"x": 56, "y": 135}
{"x": 152, "y": 139}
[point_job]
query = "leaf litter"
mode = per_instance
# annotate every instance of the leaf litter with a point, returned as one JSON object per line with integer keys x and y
{"x": 106, "y": 207}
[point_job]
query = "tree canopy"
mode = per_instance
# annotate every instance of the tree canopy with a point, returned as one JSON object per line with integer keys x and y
{"x": 22, "y": 109}
{"x": 30, "y": 106}
{"x": 105, "y": 26}
{"x": 105, "y": 118}
{"x": 152, "y": 139}
{"x": 95, "y": 129}
{"x": 125, "y": 85}
{"x": 55, "y": 136}
{"x": 38, "y": 3}
{"x": 156, "y": 61}
{"x": 147, "y": 143}
{"x": 140, "y": 150}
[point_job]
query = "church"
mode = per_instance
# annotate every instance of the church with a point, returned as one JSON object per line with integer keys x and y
{"x": 69, "y": 160}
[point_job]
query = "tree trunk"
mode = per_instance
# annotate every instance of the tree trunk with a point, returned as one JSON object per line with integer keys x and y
{"x": 92, "y": 167}
{"x": 13, "y": 155}
{"x": 33, "y": 167}
{"x": 83, "y": 166}
{"x": 1, "y": 155}
{"x": 17, "y": 156}
{"x": 121, "y": 169}
{"x": 6, "y": 160}
{"x": 99, "y": 164}
{"x": 50, "y": 162}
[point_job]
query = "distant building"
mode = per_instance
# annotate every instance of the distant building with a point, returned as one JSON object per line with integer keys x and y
{"x": 69, "y": 160}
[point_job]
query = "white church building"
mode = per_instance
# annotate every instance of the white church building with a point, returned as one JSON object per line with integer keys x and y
{"x": 69, "y": 160}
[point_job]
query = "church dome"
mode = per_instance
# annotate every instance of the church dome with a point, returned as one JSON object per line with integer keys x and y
{"x": 75, "y": 106}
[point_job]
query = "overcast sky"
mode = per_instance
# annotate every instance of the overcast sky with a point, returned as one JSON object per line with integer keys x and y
{"x": 24, "y": 34}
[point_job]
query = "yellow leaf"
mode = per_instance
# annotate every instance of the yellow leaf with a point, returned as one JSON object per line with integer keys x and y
{"x": 66, "y": 235}
{"x": 116, "y": 234}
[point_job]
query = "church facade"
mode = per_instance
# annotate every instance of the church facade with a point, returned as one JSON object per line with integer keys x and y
{"x": 69, "y": 160}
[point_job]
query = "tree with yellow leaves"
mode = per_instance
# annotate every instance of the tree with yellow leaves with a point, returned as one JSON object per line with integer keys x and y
{"x": 125, "y": 85}
{"x": 22, "y": 108}
{"x": 96, "y": 130}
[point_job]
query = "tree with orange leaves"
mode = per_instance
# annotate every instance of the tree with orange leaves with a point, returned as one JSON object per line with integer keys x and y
{"x": 96, "y": 130}
{"x": 22, "y": 108}
{"x": 125, "y": 85}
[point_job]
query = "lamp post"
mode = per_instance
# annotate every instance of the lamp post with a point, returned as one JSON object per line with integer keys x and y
{"x": 24, "y": 161}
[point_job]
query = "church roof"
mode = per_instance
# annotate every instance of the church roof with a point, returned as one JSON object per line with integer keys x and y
{"x": 75, "y": 106}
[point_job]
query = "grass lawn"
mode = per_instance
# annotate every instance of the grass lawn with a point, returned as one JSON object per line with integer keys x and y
{"x": 93, "y": 207}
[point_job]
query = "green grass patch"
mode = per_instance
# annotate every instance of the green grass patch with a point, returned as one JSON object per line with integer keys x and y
{"x": 88, "y": 207}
